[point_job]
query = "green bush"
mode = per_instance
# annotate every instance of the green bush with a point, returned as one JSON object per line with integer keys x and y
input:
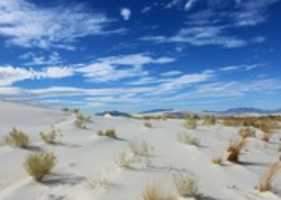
{"x": 17, "y": 138}
{"x": 38, "y": 165}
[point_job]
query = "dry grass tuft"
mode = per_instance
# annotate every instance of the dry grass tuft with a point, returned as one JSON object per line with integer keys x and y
{"x": 38, "y": 165}
{"x": 266, "y": 180}
{"x": 247, "y": 132}
{"x": 209, "y": 120}
{"x": 153, "y": 192}
{"x": 186, "y": 185}
{"x": 17, "y": 138}
{"x": 190, "y": 123}
{"x": 51, "y": 135}
{"x": 187, "y": 139}
{"x": 81, "y": 120}
{"x": 234, "y": 149}
{"x": 126, "y": 159}
{"x": 111, "y": 133}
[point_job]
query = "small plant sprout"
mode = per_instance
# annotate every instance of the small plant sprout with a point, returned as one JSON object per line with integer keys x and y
{"x": 217, "y": 161}
{"x": 247, "y": 132}
{"x": 51, "y": 135}
{"x": 187, "y": 139}
{"x": 187, "y": 186}
{"x": 17, "y": 138}
{"x": 153, "y": 192}
{"x": 38, "y": 165}
{"x": 234, "y": 149}
{"x": 266, "y": 180}
{"x": 99, "y": 181}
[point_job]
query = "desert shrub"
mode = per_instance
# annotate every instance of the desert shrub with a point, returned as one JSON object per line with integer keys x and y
{"x": 186, "y": 185}
{"x": 81, "y": 121}
{"x": 38, "y": 165}
{"x": 266, "y": 180}
{"x": 247, "y": 132}
{"x": 111, "y": 133}
{"x": 99, "y": 181}
{"x": 190, "y": 123}
{"x": 17, "y": 138}
{"x": 141, "y": 149}
{"x": 50, "y": 136}
{"x": 234, "y": 149}
{"x": 209, "y": 120}
{"x": 148, "y": 124}
{"x": 187, "y": 139}
{"x": 126, "y": 159}
{"x": 153, "y": 192}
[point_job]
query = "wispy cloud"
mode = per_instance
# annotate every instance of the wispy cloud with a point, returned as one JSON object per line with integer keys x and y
{"x": 10, "y": 74}
{"x": 31, "y": 58}
{"x": 27, "y": 25}
{"x": 125, "y": 13}
{"x": 243, "y": 67}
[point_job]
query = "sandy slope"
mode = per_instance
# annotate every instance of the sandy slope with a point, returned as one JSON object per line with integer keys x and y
{"x": 84, "y": 156}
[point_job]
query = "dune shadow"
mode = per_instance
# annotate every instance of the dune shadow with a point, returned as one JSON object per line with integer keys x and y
{"x": 204, "y": 197}
{"x": 250, "y": 163}
{"x": 67, "y": 145}
{"x": 63, "y": 179}
{"x": 35, "y": 149}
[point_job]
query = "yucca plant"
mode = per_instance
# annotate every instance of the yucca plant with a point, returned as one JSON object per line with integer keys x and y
{"x": 38, "y": 165}
{"x": 111, "y": 133}
{"x": 190, "y": 123}
{"x": 17, "y": 138}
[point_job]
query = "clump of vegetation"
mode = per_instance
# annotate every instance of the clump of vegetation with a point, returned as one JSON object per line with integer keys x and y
{"x": 51, "y": 135}
{"x": 186, "y": 185}
{"x": 81, "y": 120}
{"x": 111, "y": 133}
{"x": 148, "y": 124}
{"x": 126, "y": 159}
{"x": 187, "y": 139}
{"x": 190, "y": 123}
{"x": 247, "y": 132}
{"x": 217, "y": 161}
{"x": 99, "y": 181}
{"x": 38, "y": 165}
{"x": 153, "y": 192}
{"x": 17, "y": 138}
{"x": 209, "y": 120}
{"x": 234, "y": 149}
{"x": 141, "y": 149}
{"x": 266, "y": 180}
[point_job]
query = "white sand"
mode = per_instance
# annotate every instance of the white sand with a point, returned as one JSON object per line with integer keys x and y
{"x": 85, "y": 157}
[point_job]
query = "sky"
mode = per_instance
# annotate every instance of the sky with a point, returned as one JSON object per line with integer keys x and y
{"x": 139, "y": 55}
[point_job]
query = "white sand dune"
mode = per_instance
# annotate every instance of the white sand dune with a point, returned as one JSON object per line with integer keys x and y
{"x": 85, "y": 157}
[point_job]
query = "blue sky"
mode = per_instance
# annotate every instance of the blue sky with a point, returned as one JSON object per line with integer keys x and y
{"x": 139, "y": 55}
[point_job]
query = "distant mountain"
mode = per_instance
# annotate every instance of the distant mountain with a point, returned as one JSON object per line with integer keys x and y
{"x": 246, "y": 110}
{"x": 114, "y": 113}
{"x": 156, "y": 110}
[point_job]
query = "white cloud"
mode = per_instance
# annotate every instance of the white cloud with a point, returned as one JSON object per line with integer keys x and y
{"x": 10, "y": 74}
{"x": 189, "y": 4}
{"x": 171, "y": 73}
{"x": 125, "y": 13}
{"x": 34, "y": 59}
{"x": 200, "y": 36}
{"x": 27, "y": 25}
{"x": 243, "y": 67}
{"x": 119, "y": 67}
